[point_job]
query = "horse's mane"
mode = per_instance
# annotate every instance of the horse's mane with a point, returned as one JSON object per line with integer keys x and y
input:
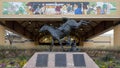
{"x": 49, "y": 26}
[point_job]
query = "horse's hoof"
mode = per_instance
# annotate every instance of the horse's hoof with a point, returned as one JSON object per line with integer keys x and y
{"x": 50, "y": 50}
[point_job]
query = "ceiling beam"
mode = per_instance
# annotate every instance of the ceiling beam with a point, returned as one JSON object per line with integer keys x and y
{"x": 102, "y": 26}
{"x": 14, "y": 25}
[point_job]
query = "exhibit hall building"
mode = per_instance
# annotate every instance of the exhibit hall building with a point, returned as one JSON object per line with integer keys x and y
{"x": 26, "y": 17}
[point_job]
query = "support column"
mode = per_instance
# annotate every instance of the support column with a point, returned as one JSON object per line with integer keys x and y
{"x": 117, "y": 35}
{"x": 2, "y": 35}
{"x": 36, "y": 40}
{"x": 81, "y": 42}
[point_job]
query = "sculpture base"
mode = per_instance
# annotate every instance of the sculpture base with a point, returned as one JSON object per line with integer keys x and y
{"x": 60, "y": 59}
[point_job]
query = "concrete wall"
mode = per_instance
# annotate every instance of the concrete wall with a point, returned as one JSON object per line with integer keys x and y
{"x": 2, "y": 35}
{"x": 99, "y": 41}
{"x": 117, "y": 35}
{"x": 21, "y": 43}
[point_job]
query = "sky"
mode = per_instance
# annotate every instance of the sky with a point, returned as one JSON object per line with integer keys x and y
{"x": 111, "y": 32}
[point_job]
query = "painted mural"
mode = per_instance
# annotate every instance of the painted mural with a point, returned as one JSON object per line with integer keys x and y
{"x": 14, "y": 8}
{"x": 59, "y": 8}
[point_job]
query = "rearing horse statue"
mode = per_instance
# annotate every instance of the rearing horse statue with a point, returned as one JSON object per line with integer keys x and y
{"x": 62, "y": 31}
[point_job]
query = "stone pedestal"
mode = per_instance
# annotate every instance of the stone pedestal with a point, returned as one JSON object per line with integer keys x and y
{"x": 117, "y": 35}
{"x": 60, "y": 60}
{"x": 2, "y": 35}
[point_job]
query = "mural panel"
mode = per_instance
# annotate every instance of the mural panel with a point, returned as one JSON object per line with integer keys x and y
{"x": 14, "y": 8}
{"x": 59, "y": 8}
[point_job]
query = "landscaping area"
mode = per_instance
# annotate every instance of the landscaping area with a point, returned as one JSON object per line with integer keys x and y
{"x": 13, "y": 57}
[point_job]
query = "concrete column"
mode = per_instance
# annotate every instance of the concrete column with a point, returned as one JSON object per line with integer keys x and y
{"x": 117, "y": 35}
{"x": 81, "y": 42}
{"x": 112, "y": 40}
{"x": 2, "y": 35}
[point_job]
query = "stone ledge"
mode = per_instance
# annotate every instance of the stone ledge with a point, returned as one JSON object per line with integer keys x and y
{"x": 89, "y": 63}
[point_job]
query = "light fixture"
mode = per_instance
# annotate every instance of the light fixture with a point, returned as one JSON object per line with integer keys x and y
{"x": 81, "y": 29}
{"x": 72, "y": 39}
{"x": 51, "y": 24}
{"x": 29, "y": 22}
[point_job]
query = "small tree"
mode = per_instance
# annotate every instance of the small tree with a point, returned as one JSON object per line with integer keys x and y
{"x": 11, "y": 37}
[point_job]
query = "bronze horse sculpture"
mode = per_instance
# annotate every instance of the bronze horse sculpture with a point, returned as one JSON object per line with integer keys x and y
{"x": 62, "y": 31}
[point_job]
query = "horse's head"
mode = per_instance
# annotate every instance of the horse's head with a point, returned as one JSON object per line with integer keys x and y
{"x": 83, "y": 22}
{"x": 43, "y": 28}
{"x": 72, "y": 23}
